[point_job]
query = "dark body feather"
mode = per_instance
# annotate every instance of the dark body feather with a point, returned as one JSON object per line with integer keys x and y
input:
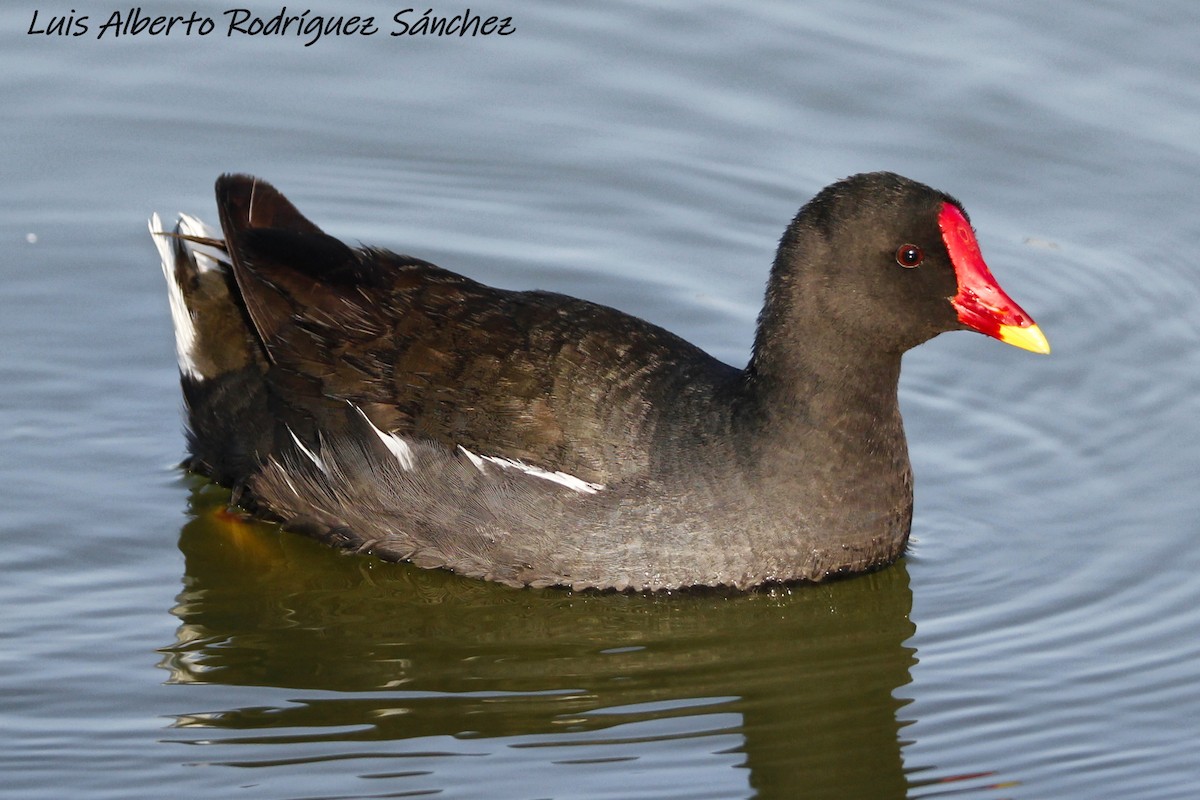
{"x": 383, "y": 404}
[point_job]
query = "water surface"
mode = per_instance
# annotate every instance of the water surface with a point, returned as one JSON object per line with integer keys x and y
{"x": 1038, "y": 641}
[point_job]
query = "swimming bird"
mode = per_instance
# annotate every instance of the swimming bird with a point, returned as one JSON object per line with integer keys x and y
{"x": 385, "y": 405}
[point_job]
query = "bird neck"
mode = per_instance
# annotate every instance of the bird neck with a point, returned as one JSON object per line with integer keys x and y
{"x": 800, "y": 379}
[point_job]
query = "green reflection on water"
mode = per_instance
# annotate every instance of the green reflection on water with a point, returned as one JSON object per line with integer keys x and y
{"x": 806, "y": 678}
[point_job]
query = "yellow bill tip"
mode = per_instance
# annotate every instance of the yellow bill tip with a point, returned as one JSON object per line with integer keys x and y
{"x": 1029, "y": 338}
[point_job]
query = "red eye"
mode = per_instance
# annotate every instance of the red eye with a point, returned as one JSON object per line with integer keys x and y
{"x": 909, "y": 256}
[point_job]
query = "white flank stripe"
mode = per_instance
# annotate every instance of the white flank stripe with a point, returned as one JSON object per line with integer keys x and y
{"x": 398, "y": 447}
{"x": 313, "y": 457}
{"x": 476, "y": 460}
{"x": 181, "y": 316}
{"x": 561, "y": 478}
{"x": 288, "y": 481}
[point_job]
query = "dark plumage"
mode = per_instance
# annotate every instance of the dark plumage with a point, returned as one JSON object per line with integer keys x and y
{"x": 382, "y": 404}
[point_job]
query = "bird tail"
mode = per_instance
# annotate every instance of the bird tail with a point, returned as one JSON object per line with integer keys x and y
{"x": 222, "y": 364}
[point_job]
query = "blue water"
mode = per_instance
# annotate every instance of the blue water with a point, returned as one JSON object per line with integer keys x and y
{"x": 1038, "y": 641}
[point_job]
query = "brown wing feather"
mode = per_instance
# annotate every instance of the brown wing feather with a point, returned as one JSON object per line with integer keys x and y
{"x": 426, "y": 352}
